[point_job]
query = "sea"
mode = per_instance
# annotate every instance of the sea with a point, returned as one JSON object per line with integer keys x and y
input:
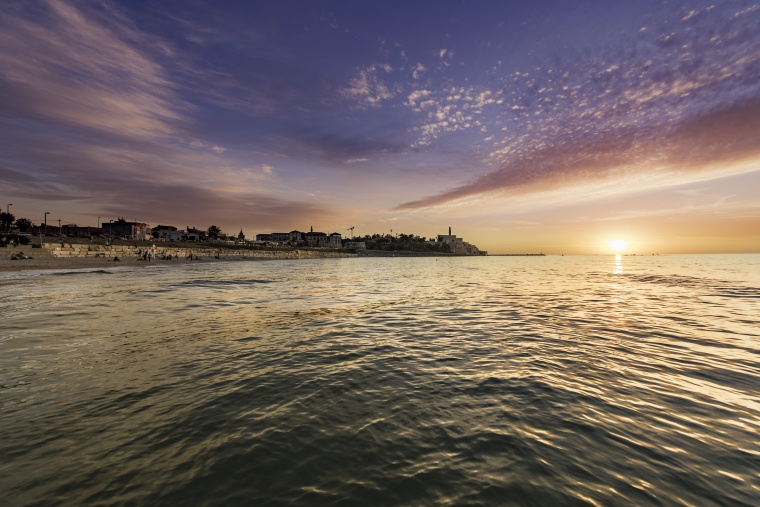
{"x": 506, "y": 381}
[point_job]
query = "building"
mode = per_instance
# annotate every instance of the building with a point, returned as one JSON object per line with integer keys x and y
{"x": 166, "y": 232}
{"x": 315, "y": 239}
{"x": 123, "y": 229}
{"x": 298, "y": 238}
{"x": 193, "y": 234}
{"x": 459, "y": 246}
{"x": 73, "y": 230}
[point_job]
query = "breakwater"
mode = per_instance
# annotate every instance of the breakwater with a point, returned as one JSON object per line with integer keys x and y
{"x": 400, "y": 253}
{"x": 83, "y": 251}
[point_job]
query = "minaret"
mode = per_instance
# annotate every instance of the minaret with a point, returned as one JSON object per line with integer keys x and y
{"x": 449, "y": 231}
{"x": 311, "y": 229}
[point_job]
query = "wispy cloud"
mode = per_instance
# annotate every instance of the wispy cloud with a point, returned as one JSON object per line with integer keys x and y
{"x": 94, "y": 111}
{"x": 88, "y": 70}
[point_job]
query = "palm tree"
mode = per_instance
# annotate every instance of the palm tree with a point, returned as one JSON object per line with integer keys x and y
{"x": 214, "y": 231}
{"x": 24, "y": 224}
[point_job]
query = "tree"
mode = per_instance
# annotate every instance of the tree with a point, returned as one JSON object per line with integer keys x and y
{"x": 24, "y": 224}
{"x": 6, "y": 219}
{"x": 214, "y": 231}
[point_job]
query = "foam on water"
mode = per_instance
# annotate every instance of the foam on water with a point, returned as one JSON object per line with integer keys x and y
{"x": 393, "y": 381}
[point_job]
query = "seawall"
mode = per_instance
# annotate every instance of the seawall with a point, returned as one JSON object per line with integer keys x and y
{"x": 83, "y": 251}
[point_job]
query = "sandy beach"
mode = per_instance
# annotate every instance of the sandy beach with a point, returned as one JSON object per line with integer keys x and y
{"x": 78, "y": 263}
{"x": 51, "y": 258}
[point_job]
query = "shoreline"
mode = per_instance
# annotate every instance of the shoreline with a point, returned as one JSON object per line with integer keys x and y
{"x": 7, "y": 265}
{"x": 84, "y": 256}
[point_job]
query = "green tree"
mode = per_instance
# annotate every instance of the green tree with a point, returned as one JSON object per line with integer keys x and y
{"x": 24, "y": 224}
{"x": 214, "y": 231}
{"x": 6, "y": 219}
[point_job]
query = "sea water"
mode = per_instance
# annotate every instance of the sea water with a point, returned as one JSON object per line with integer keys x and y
{"x": 384, "y": 381}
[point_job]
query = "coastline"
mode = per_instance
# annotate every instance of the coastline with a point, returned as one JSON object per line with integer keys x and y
{"x": 54, "y": 256}
{"x": 7, "y": 265}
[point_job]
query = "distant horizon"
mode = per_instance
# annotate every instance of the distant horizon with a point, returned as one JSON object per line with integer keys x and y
{"x": 545, "y": 126}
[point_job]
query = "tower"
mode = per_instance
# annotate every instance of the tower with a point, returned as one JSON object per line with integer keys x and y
{"x": 449, "y": 231}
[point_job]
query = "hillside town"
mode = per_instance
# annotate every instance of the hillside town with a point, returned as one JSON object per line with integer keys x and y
{"x": 22, "y": 230}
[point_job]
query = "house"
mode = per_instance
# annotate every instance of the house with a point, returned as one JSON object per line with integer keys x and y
{"x": 125, "y": 229}
{"x": 335, "y": 240}
{"x": 193, "y": 234}
{"x": 311, "y": 238}
{"x": 166, "y": 232}
{"x": 73, "y": 230}
{"x": 315, "y": 239}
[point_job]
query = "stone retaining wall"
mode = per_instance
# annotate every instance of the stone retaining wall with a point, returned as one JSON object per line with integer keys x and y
{"x": 81, "y": 251}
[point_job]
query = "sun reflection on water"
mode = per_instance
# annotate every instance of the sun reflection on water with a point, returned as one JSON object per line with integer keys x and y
{"x": 618, "y": 264}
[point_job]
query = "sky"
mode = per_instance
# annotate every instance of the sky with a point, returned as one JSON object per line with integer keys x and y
{"x": 527, "y": 126}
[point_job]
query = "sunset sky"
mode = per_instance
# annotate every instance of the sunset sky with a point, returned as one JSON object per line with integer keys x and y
{"x": 526, "y": 126}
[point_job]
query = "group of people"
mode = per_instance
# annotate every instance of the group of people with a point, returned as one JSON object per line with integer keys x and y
{"x": 149, "y": 255}
{"x": 19, "y": 256}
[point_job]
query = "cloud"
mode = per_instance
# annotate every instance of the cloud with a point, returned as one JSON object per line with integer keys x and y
{"x": 720, "y": 142}
{"x": 367, "y": 88}
{"x": 450, "y": 110}
{"x": 76, "y": 70}
{"x": 677, "y": 103}
{"x": 180, "y": 203}
{"x": 337, "y": 146}
{"x": 94, "y": 111}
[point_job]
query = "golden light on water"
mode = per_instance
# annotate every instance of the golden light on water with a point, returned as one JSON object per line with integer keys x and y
{"x": 617, "y": 245}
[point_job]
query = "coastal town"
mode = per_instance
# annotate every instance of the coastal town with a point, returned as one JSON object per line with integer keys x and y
{"x": 22, "y": 231}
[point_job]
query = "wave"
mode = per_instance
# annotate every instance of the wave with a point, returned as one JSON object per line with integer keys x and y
{"x": 715, "y": 287}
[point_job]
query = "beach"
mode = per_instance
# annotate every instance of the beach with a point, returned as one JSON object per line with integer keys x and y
{"x": 49, "y": 262}
{"x": 82, "y": 255}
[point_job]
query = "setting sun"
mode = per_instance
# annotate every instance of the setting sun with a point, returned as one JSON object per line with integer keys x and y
{"x": 618, "y": 244}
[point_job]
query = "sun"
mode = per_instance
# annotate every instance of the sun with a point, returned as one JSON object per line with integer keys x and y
{"x": 618, "y": 244}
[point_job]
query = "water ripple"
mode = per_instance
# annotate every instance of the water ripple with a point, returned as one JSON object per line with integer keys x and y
{"x": 489, "y": 381}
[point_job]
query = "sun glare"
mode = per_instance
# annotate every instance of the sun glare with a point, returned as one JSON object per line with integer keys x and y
{"x": 618, "y": 244}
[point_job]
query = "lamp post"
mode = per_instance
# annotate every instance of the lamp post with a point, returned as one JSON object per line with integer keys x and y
{"x": 8, "y": 210}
